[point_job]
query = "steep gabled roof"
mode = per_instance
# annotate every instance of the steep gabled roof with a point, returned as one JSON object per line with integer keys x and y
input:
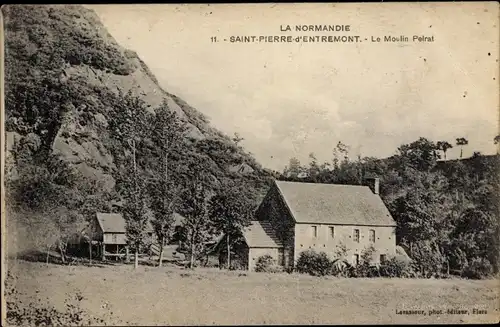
{"x": 111, "y": 222}
{"x": 334, "y": 204}
{"x": 242, "y": 168}
{"x": 178, "y": 219}
{"x": 115, "y": 223}
{"x": 260, "y": 234}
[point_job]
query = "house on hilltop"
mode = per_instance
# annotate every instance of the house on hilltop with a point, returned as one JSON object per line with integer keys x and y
{"x": 243, "y": 169}
{"x": 295, "y": 217}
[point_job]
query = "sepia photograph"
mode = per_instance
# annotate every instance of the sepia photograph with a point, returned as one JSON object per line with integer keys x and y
{"x": 250, "y": 164}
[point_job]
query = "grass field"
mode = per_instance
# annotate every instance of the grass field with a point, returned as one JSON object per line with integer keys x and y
{"x": 174, "y": 296}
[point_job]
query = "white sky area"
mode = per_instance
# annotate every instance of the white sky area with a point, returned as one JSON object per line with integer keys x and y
{"x": 288, "y": 100}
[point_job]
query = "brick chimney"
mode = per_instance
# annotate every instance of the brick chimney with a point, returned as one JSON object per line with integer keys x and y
{"x": 373, "y": 183}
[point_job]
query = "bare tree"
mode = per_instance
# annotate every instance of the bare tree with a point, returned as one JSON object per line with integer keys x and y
{"x": 444, "y": 146}
{"x": 461, "y": 141}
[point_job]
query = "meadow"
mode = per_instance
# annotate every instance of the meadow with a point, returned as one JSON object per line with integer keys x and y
{"x": 172, "y": 295}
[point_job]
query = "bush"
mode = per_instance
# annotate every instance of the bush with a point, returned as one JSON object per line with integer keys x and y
{"x": 341, "y": 268}
{"x": 266, "y": 263}
{"x": 263, "y": 263}
{"x": 41, "y": 314}
{"x": 236, "y": 265}
{"x": 314, "y": 263}
{"x": 395, "y": 267}
{"x": 364, "y": 269}
{"x": 478, "y": 268}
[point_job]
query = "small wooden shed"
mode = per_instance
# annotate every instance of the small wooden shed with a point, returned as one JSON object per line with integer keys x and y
{"x": 109, "y": 234}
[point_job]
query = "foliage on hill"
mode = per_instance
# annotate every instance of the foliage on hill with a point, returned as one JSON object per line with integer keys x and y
{"x": 447, "y": 212}
{"x": 66, "y": 82}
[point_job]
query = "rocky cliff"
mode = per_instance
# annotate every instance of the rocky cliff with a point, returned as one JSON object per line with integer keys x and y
{"x": 63, "y": 74}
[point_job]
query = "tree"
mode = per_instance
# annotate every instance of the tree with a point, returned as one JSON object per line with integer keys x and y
{"x": 168, "y": 132}
{"x": 421, "y": 211}
{"x": 293, "y": 170}
{"x": 46, "y": 191}
{"x": 38, "y": 104}
{"x": 237, "y": 139}
{"x": 164, "y": 201}
{"x": 496, "y": 140}
{"x": 231, "y": 209}
{"x": 133, "y": 191}
{"x": 461, "y": 141}
{"x": 196, "y": 211}
{"x": 343, "y": 149}
{"x": 95, "y": 201}
{"x": 444, "y": 146}
{"x": 314, "y": 168}
{"x": 340, "y": 154}
{"x": 36, "y": 229}
{"x": 475, "y": 236}
{"x": 129, "y": 128}
{"x": 420, "y": 155}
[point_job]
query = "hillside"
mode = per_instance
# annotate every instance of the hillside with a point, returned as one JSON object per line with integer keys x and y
{"x": 68, "y": 88}
{"x": 447, "y": 212}
{"x": 65, "y": 73}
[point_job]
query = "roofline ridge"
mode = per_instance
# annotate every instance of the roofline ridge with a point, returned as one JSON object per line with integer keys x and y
{"x": 345, "y": 224}
{"x": 282, "y": 196}
{"x": 99, "y": 221}
{"x": 311, "y": 183}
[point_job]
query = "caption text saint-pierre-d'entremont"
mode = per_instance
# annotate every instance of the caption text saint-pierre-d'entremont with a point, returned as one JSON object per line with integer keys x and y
{"x": 339, "y": 36}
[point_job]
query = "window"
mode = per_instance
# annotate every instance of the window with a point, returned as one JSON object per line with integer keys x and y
{"x": 315, "y": 231}
{"x": 372, "y": 235}
{"x": 356, "y": 259}
{"x": 114, "y": 239}
{"x": 382, "y": 258}
{"x": 332, "y": 232}
{"x": 356, "y": 235}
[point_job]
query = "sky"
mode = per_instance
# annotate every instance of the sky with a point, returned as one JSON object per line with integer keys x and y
{"x": 290, "y": 99}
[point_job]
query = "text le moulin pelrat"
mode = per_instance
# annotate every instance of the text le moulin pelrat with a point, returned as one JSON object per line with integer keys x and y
{"x": 316, "y": 33}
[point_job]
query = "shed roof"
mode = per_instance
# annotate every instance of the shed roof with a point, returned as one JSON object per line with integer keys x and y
{"x": 115, "y": 223}
{"x": 260, "y": 234}
{"x": 334, "y": 204}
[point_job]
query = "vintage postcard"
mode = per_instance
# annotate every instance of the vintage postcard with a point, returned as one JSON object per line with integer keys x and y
{"x": 236, "y": 164}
